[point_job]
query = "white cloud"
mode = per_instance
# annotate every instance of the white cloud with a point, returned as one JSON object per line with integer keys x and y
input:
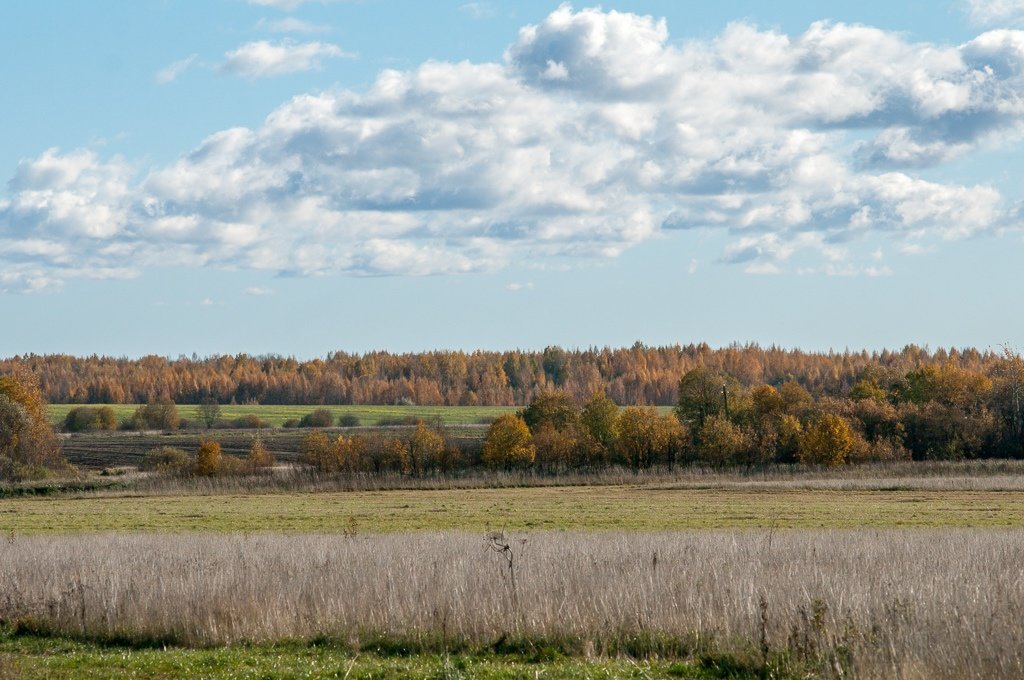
{"x": 291, "y": 25}
{"x": 262, "y": 59}
{"x": 989, "y": 12}
{"x": 515, "y": 286}
{"x": 257, "y": 291}
{"x": 171, "y": 73}
{"x": 595, "y": 133}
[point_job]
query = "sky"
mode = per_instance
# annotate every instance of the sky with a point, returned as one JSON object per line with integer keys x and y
{"x": 299, "y": 177}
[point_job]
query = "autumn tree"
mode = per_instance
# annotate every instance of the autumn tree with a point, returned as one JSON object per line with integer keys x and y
{"x": 555, "y": 409}
{"x": 28, "y": 445}
{"x": 208, "y": 458}
{"x": 720, "y": 441}
{"x": 645, "y": 438}
{"x": 426, "y": 448}
{"x": 600, "y": 417}
{"x": 508, "y": 444}
{"x": 827, "y": 440}
{"x": 259, "y": 456}
{"x": 317, "y": 451}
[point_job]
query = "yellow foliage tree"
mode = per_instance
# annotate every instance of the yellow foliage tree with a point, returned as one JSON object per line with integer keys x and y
{"x": 508, "y": 444}
{"x": 208, "y": 458}
{"x": 827, "y": 440}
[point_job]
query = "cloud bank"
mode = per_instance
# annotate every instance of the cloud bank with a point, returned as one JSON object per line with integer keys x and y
{"x": 595, "y": 133}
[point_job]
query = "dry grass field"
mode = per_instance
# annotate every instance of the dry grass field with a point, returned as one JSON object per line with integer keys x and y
{"x": 824, "y": 603}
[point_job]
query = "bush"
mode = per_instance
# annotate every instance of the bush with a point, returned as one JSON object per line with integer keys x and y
{"x": 319, "y": 418}
{"x": 259, "y": 456}
{"x": 208, "y": 458}
{"x": 348, "y": 420}
{"x": 249, "y": 422}
{"x": 90, "y": 419}
{"x": 166, "y": 459}
{"x": 156, "y": 415}
{"x": 290, "y": 423}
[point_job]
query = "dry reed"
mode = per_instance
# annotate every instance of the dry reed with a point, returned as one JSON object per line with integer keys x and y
{"x": 922, "y": 604}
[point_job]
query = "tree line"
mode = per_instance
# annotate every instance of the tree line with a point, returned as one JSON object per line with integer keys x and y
{"x": 935, "y": 412}
{"x": 638, "y": 375}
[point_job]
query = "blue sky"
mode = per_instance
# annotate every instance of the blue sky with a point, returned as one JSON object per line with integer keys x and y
{"x": 293, "y": 177}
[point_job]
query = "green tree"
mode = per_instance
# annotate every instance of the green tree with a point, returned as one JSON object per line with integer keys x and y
{"x": 556, "y": 409}
{"x": 209, "y": 411}
{"x": 601, "y": 417}
{"x": 508, "y": 444}
{"x": 721, "y": 442}
{"x": 704, "y": 393}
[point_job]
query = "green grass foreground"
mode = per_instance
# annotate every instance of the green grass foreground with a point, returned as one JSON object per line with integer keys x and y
{"x": 622, "y": 507}
{"x": 30, "y": 656}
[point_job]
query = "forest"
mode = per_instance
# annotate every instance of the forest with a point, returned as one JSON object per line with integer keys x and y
{"x": 638, "y": 375}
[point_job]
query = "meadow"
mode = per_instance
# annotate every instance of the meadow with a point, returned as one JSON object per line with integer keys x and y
{"x": 276, "y": 415}
{"x": 543, "y": 508}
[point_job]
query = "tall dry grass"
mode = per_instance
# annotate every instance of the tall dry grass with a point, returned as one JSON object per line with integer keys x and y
{"x": 923, "y": 604}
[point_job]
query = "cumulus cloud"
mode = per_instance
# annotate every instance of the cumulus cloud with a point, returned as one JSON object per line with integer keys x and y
{"x": 989, "y": 12}
{"x": 262, "y": 58}
{"x": 595, "y": 133}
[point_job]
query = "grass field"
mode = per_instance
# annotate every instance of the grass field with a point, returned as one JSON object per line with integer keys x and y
{"x": 541, "y": 508}
{"x": 276, "y": 415}
{"x": 30, "y": 657}
{"x": 368, "y": 415}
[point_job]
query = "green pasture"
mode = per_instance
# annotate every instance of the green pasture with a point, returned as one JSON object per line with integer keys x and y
{"x": 621, "y": 508}
{"x": 368, "y": 415}
{"x": 276, "y": 415}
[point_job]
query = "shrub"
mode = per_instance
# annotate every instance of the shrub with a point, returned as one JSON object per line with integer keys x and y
{"x": 317, "y": 452}
{"x": 90, "y": 419}
{"x": 319, "y": 418}
{"x": 208, "y": 458}
{"x": 290, "y": 423}
{"x": 166, "y": 459}
{"x": 426, "y": 449}
{"x": 156, "y": 415}
{"x": 348, "y": 420}
{"x": 249, "y": 422}
{"x": 259, "y": 455}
